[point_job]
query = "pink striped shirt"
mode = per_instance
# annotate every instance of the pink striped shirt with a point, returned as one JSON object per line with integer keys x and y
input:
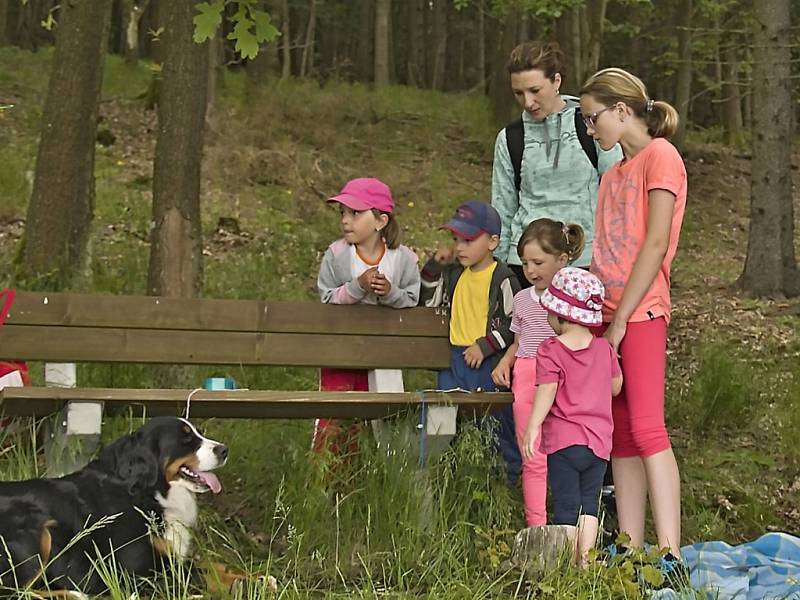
{"x": 529, "y": 321}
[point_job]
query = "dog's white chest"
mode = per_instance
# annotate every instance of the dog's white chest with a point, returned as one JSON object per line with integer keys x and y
{"x": 180, "y": 515}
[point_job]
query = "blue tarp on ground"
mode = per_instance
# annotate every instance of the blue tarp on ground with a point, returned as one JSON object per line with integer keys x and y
{"x": 768, "y": 568}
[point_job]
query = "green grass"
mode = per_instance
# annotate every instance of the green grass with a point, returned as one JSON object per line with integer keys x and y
{"x": 379, "y": 526}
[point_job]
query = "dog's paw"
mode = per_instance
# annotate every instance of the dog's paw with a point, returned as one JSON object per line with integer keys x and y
{"x": 255, "y": 582}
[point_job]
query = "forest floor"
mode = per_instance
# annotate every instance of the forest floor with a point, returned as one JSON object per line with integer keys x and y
{"x": 383, "y": 527}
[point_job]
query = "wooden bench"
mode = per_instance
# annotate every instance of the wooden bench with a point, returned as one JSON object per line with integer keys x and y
{"x": 75, "y": 328}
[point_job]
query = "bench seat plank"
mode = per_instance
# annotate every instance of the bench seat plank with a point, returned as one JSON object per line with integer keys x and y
{"x": 43, "y": 401}
{"x": 204, "y": 314}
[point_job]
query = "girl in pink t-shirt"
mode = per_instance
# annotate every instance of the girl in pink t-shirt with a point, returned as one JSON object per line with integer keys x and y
{"x": 577, "y": 373}
{"x": 640, "y": 209}
{"x": 544, "y": 247}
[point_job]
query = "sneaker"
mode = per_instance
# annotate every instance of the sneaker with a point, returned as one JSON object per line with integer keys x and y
{"x": 676, "y": 573}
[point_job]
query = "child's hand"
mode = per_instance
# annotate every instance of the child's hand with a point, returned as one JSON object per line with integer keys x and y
{"x": 529, "y": 444}
{"x": 473, "y": 356}
{"x": 615, "y": 333}
{"x": 502, "y": 374}
{"x": 443, "y": 255}
{"x": 366, "y": 279}
{"x": 380, "y": 284}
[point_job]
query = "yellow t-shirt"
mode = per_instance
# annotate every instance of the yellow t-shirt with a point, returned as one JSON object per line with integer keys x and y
{"x": 470, "y": 307}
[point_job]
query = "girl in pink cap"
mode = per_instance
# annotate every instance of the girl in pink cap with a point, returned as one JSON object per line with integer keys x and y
{"x": 367, "y": 265}
{"x": 577, "y": 373}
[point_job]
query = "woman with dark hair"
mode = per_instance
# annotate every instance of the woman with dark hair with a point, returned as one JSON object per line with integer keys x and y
{"x": 546, "y": 164}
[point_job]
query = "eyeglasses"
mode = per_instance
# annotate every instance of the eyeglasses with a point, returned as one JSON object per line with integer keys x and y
{"x": 591, "y": 120}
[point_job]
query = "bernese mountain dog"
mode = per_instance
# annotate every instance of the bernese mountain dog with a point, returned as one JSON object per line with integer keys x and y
{"x": 134, "y": 504}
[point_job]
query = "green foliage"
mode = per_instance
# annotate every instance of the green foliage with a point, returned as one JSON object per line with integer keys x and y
{"x": 722, "y": 390}
{"x": 252, "y": 26}
{"x": 208, "y": 21}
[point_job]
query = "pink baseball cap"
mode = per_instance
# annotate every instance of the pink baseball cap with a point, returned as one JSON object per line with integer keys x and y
{"x": 365, "y": 193}
{"x": 575, "y": 295}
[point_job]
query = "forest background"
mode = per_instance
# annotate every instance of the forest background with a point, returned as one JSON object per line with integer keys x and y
{"x": 123, "y": 121}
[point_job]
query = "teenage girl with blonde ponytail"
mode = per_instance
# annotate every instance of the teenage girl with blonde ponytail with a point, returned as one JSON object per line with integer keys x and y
{"x": 641, "y": 202}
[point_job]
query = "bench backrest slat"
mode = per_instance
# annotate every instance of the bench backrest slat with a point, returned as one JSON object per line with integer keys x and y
{"x": 140, "y": 329}
{"x": 151, "y": 312}
{"x": 87, "y": 344}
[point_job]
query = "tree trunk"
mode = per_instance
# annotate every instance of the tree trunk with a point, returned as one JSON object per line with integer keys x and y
{"x": 4, "y": 22}
{"x": 481, "y": 58}
{"x": 382, "y": 10}
{"x": 770, "y": 267}
{"x": 731, "y": 95}
{"x": 595, "y": 17}
{"x": 132, "y": 12}
{"x": 30, "y": 34}
{"x": 176, "y": 237}
{"x": 440, "y": 43}
{"x": 414, "y": 75}
{"x": 504, "y": 107}
{"x": 364, "y": 54}
{"x": 62, "y": 203}
{"x": 216, "y": 58}
{"x": 286, "y": 40}
{"x": 307, "y": 61}
{"x": 683, "y": 76}
{"x": 747, "y": 94}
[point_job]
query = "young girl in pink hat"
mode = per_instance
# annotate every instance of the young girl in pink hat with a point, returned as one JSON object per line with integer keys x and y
{"x": 367, "y": 265}
{"x": 577, "y": 373}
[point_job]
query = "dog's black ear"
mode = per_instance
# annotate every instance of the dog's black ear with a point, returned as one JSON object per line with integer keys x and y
{"x": 136, "y": 464}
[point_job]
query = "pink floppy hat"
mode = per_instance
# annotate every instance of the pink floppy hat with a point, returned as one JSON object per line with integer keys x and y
{"x": 575, "y": 295}
{"x": 365, "y": 193}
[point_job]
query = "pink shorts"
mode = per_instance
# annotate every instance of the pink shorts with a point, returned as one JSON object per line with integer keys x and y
{"x": 639, "y": 428}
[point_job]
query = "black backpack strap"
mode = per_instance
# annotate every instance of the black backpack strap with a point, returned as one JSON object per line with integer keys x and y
{"x": 587, "y": 141}
{"x": 515, "y": 141}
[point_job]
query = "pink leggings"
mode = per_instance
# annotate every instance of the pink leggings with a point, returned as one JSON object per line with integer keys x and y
{"x": 534, "y": 471}
{"x": 638, "y": 411}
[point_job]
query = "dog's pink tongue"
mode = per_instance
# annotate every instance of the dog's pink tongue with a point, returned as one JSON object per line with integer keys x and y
{"x": 211, "y": 481}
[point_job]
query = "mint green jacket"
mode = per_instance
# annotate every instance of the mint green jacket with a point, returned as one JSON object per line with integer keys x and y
{"x": 558, "y": 180}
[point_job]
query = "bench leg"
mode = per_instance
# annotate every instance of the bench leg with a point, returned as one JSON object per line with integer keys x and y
{"x": 73, "y": 434}
{"x": 440, "y": 422}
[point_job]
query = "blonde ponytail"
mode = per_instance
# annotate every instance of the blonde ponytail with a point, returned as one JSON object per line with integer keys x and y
{"x": 613, "y": 85}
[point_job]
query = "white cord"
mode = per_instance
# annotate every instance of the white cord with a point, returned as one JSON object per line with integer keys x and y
{"x": 189, "y": 401}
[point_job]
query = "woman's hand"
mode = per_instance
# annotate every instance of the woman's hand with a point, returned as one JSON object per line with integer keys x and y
{"x": 473, "y": 356}
{"x": 502, "y": 373}
{"x": 615, "y": 333}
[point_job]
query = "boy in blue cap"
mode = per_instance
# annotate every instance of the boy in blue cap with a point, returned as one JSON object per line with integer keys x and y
{"x": 479, "y": 290}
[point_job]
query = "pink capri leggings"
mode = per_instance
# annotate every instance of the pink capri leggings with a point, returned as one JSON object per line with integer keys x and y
{"x": 638, "y": 411}
{"x": 534, "y": 470}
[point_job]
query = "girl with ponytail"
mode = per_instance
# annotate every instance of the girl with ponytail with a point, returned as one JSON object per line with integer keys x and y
{"x": 640, "y": 207}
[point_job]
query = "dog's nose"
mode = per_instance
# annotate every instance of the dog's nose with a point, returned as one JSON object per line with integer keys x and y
{"x": 221, "y": 452}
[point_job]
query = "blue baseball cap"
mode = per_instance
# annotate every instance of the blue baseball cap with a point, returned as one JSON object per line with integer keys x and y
{"x": 472, "y": 219}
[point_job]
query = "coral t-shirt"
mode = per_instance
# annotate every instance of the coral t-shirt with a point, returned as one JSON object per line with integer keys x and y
{"x": 621, "y": 225}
